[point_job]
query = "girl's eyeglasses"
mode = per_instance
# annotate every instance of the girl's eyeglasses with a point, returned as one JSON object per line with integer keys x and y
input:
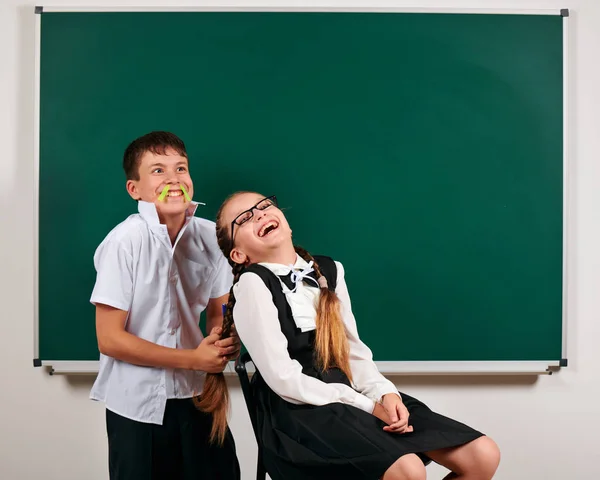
{"x": 248, "y": 214}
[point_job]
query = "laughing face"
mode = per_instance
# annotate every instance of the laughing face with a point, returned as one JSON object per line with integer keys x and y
{"x": 156, "y": 172}
{"x": 259, "y": 227}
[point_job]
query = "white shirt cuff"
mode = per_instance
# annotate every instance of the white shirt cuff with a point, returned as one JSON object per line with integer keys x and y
{"x": 364, "y": 403}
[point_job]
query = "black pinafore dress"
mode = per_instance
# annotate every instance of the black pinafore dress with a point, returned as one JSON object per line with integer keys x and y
{"x": 336, "y": 440}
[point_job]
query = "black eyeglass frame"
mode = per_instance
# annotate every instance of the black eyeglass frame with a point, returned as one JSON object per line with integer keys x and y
{"x": 272, "y": 199}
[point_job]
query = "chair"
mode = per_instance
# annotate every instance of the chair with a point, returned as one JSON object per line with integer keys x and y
{"x": 240, "y": 368}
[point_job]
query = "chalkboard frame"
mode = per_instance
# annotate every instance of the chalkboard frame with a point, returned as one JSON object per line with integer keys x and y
{"x": 389, "y": 368}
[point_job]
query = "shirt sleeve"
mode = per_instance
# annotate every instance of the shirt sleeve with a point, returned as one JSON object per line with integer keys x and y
{"x": 223, "y": 278}
{"x": 114, "y": 276}
{"x": 365, "y": 375}
{"x": 257, "y": 324}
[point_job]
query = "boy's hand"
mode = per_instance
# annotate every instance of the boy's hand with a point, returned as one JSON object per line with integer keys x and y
{"x": 208, "y": 357}
{"x": 230, "y": 347}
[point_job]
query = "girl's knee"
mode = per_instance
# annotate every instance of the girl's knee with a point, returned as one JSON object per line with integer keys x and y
{"x": 407, "y": 467}
{"x": 487, "y": 455}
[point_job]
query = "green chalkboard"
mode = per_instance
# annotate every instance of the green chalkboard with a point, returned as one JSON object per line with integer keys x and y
{"x": 424, "y": 151}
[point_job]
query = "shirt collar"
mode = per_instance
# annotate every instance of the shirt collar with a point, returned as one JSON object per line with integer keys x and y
{"x": 280, "y": 269}
{"x": 149, "y": 213}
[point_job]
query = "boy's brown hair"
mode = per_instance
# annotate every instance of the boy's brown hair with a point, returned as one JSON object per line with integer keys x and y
{"x": 156, "y": 142}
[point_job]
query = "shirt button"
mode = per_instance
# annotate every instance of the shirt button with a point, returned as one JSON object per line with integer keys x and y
{"x": 174, "y": 279}
{"x": 173, "y": 331}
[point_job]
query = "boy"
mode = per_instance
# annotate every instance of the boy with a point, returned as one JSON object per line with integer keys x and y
{"x": 156, "y": 272}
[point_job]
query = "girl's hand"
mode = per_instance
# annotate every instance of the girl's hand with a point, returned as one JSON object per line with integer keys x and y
{"x": 397, "y": 414}
{"x": 380, "y": 413}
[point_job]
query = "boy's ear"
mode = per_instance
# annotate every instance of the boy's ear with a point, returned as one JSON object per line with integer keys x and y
{"x": 238, "y": 256}
{"x": 131, "y": 187}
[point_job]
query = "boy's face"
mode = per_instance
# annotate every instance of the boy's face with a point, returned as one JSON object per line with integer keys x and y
{"x": 157, "y": 171}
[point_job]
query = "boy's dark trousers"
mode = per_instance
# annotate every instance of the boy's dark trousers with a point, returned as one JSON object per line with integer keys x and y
{"x": 176, "y": 450}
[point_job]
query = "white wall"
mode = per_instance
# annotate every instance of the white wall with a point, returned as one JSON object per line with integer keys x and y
{"x": 547, "y": 427}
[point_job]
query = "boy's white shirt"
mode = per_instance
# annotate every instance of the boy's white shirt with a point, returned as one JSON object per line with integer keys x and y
{"x": 257, "y": 323}
{"x": 164, "y": 288}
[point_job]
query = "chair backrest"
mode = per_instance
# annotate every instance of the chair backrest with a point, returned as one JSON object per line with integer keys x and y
{"x": 240, "y": 368}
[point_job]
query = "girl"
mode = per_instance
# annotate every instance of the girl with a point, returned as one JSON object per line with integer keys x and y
{"x": 324, "y": 410}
